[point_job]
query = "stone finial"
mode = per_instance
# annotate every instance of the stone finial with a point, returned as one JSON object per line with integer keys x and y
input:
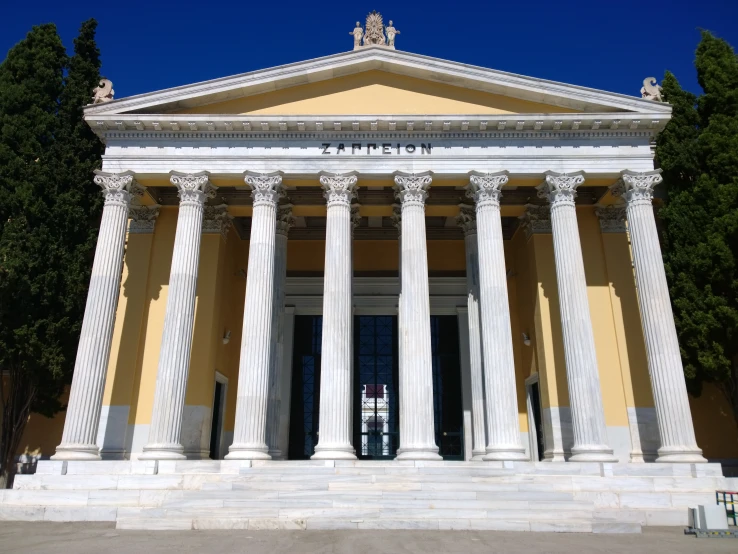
{"x": 651, "y": 89}
{"x": 536, "y": 220}
{"x": 612, "y": 219}
{"x": 103, "y": 92}
{"x": 143, "y": 219}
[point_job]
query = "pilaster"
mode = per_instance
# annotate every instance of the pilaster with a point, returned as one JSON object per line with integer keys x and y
{"x": 467, "y": 220}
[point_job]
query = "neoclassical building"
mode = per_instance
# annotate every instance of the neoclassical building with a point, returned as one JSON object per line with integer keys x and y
{"x": 379, "y": 255}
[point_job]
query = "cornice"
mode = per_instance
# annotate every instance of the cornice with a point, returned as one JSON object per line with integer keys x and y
{"x": 376, "y": 127}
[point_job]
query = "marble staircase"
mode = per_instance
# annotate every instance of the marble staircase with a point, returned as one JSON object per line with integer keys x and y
{"x": 524, "y": 496}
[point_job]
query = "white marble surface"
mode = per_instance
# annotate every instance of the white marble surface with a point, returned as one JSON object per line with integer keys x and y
{"x": 583, "y": 380}
{"x": 503, "y": 429}
{"x": 335, "y": 428}
{"x": 678, "y": 443}
{"x": 91, "y": 364}
{"x": 417, "y": 435}
{"x": 164, "y": 440}
{"x": 249, "y": 439}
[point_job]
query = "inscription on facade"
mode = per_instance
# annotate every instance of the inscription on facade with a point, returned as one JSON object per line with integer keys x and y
{"x": 384, "y": 148}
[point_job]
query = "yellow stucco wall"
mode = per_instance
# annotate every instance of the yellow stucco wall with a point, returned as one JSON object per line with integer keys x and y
{"x": 375, "y": 92}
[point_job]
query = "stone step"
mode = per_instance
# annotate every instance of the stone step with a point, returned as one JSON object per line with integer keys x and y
{"x": 208, "y": 523}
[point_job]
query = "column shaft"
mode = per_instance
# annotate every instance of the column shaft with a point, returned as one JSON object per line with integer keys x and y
{"x": 467, "y": 221}
{"x": 249, "y": 437}
{"x": 276, "y": 356}
{"x": 334, "y": 426}
{"x": 676, "y": 430}
{"x": 585, "y": 396}
{"x": 176, "y": 343}
{"x": 93, "y": 353}
{"x": 417, "y": 431}
{"x": 503, "y": 429}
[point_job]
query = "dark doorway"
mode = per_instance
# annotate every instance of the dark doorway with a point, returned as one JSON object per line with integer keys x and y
{"x": 216, "y": 422}
{"x": 535, "y": 402}
{"x": 305, "y": 387}
{"x": 447, "y": 408}
{"x": 376, "y": 402}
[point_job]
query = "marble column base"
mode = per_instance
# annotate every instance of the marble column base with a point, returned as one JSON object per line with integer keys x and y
{"x": 334, "y": 452}
{"x": 680, "y": 455}
{"x": 478, "y": 455}
{"x": 430, "y": 453}
{"x": 596, "y": 453}
{"x": 247, "y": 452}
{"x": 505, "y": 454}
{"x": 82, "y": 452}
{"x": 163, "y": 452}
{"x": 275, "y": 454}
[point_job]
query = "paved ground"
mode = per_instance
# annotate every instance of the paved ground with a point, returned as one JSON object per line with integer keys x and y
{"x": 81, "y": 538}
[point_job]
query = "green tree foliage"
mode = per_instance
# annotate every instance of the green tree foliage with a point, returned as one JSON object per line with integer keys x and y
{"x": 698, "y": 153}
{"x": 49, "y": 214}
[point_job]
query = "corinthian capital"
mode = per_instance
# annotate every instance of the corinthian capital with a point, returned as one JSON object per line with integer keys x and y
{"x": 284, "y": 219}
{"x": 412, "y": 188}
{"x": 467, "y": 219}
{"x": 560, "y": 188}
{"x": 485, "y": 188}
{"x": 143, "y": 219}
{"x": 637, "y": 187}
{"x": 193, "y": 187}
{"x": 340, "y": 189}
{"x": 612, "y": 219}
{"x": 266, "y": 188}
{"x": 216, "y": 219}
{"x": 118, "y": 188}
{"x": 536, "y": 220}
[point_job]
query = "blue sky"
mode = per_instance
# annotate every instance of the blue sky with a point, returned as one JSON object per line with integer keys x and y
{"x": 608, "y": 45}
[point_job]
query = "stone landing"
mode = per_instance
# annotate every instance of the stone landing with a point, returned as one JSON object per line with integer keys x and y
{"x": 523, "y": 496}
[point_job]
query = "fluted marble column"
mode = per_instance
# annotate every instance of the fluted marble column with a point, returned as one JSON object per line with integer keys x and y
{"x": 417, "y": 433}
{"x": 249, "y": 436}
{"x": 676, "y": 430}
{"x": 334, "y": 427}
{"x": 585, "y": 395}
{"x": 176, "y": 342}
{"x": 276, "y": 356}
{"x": 501, "y": 401}
{"x": 88, "y": 381}
{"x": 467, "y": 220}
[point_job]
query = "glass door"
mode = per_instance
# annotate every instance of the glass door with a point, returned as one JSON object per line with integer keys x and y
{"x": 376, "y": 402}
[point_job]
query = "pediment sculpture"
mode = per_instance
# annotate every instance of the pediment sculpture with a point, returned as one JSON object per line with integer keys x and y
{"x": 374, "y": 32}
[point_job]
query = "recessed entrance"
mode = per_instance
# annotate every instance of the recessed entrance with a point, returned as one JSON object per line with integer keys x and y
{"x": 376, "y": 401}
{"x": 376, "y": 391}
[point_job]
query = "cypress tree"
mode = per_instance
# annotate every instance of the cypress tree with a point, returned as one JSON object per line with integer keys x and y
{"x": 49, "y": 213}
{"x": 698, "y": 153}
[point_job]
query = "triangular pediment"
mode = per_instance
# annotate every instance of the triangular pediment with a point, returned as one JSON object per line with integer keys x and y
{"x": 377, "y": 81}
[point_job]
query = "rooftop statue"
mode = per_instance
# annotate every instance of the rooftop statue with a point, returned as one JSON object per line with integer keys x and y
{"x": 373, "y": 34}
{"x": 358, "y": 32}
{"x": 103, "y": 92}
{"x": 651, "y": 89}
